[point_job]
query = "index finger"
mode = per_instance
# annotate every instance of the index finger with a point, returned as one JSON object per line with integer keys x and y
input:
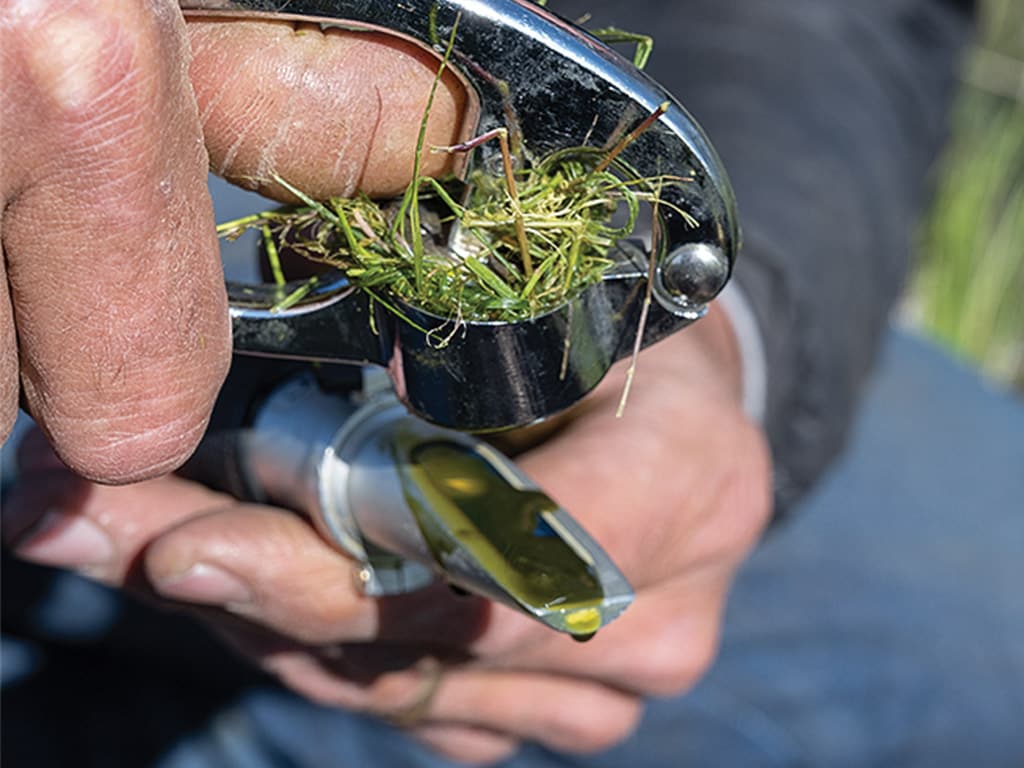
{"x": 115, "y": 281}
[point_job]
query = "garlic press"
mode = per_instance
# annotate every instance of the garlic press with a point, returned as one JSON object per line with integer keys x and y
{"x": 392, "y": 473}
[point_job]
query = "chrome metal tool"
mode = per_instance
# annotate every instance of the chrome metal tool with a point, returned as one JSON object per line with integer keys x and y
{"x": 411, "y": 502}
{"x": 567, "y": 90}
{"x": 407, "y": 498}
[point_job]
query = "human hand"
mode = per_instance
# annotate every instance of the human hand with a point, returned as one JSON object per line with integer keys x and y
{"x": 677, "y": 492}
{"x": 113, "y": 317}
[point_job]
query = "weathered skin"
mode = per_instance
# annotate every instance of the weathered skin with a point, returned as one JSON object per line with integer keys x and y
{"x": 116, "y": 327}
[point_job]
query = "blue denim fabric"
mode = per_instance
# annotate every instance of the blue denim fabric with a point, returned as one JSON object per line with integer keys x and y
{"x": 882, "y": 625}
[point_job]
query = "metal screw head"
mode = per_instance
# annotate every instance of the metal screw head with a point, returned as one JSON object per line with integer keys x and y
{"x": 692, "y": 275}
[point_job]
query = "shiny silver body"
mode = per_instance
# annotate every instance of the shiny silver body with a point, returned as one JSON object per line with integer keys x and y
{"x": 334, "y": 458}
{"x": 560, "y": 89}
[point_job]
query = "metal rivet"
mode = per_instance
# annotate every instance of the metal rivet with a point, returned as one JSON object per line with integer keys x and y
{"x": 694, "y": 273}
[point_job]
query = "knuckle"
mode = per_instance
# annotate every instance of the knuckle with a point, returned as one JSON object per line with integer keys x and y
{"x": 327, "y": 694}
{"x": 77, "y": 54}
{"x": 613, "y": 733}
{"x": 392, "y": 693}
{"x": 748, "y": 484}
{"x": 568, "y": 728}
{"x": 309, "y": 679}
{"x": 672, "y": 662}
{"x": 323, "y": 621}
{"x": 323, "y": 678}
{"x": 606, "y": 727}
{"x": 590, "y": 726}
{"x": 328, "y": 611}
{"x": 96, "y": 93}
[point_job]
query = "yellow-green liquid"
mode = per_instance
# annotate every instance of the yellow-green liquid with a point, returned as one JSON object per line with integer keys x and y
{"x": 460, "y": 499}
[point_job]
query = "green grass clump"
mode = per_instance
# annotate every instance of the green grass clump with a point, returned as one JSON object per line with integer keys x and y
{"x": 460, "y": 256}
{"x": 498, "y": 248}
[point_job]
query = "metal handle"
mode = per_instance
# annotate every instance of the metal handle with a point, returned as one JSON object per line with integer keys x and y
{"x": 412, "y": 502}
{"x": 567, "y": 90}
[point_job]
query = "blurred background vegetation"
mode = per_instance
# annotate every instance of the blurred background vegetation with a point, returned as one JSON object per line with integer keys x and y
{"x": 968, "y": 289}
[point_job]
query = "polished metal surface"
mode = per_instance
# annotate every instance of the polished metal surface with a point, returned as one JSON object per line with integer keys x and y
{"x": 561, "y": 89}
{"x": 696, "y": 270}
{"x": 341, "y": 463}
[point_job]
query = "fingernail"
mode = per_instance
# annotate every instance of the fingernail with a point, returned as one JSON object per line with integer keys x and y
{"x": 207, "y": 584}
{"x": 69, "y": 541}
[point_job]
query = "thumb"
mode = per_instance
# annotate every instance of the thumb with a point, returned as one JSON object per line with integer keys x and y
{"x": 330, "y": 111}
